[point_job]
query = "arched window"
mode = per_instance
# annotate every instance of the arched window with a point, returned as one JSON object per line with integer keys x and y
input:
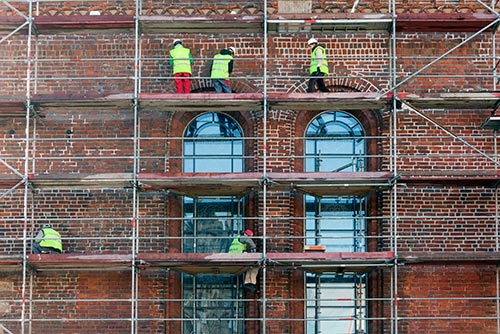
{"x": 212, "y": 142}
{"x": 335, "y": 142}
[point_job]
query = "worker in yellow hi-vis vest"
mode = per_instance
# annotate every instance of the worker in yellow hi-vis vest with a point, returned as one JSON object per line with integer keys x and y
{"x": 244, "y": 244}
{"x": 47, "y": 241}
{"x": 318, "y": 67}
{"x": 222, "y": 67}
{"x": 180, "y": 61}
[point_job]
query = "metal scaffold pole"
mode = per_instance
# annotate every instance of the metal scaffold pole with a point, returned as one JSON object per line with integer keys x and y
{"x": 495, "y": 142}
{"x": 497, "y": 226}
{"x": 393, "y": 237}
{"x": 135, "y": 221}
{"x": 442, "y": 56}
{"x": 497, "y": 222}
{"x": 26, "y": 168}
{"x": 264, "y": 169}
{"x": 394, "y": 168}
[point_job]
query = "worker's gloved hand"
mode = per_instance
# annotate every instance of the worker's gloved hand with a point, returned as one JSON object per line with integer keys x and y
{"x": 253, "y": 250}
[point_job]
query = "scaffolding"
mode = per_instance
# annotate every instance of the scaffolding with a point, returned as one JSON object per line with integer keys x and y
{"x": 143, "y": 258}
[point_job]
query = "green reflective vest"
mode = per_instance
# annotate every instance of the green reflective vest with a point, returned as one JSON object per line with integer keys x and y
{"x": 220, "y": 66}
{"x": 182, "y": 62}
{"x": 237, "y": 246}
{"x": 315, "y": 62}
{"x": 51, "y": 238}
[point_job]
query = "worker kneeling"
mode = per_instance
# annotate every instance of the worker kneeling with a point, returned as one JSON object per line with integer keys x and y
{"x": 244, "y": 244}
{"x": 47, "y": 241}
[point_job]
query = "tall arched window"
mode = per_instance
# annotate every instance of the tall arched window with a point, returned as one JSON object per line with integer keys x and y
{"x": 335, "y": 142}
{"x": 213, "y": 142}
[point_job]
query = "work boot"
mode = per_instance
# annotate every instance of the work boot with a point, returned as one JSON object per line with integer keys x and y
{"x": 251, "y": 287}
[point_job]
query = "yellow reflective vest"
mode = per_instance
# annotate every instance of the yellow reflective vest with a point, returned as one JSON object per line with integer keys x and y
{"x": 181, "y": 59}
{"x": 220, "y": 66}
{"x": 237, "y": 246}
{"x": 51, "y": 238}
{"x": 315, "y": 61}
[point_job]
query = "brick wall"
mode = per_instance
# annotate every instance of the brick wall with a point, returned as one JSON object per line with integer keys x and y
{"x": 423, "y": 147}
{"x": 101, "y": 67}
{"x": 445, "y": 218}
{"x": 13, "y": 54}
{"x": 430, "y": 218}
{"x": 248, "y": 7}
{"x": 442, "y": 298}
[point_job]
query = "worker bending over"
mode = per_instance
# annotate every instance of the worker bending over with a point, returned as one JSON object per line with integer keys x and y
{"x": 222, "y": 67}
{"x": 47, "y": 241}
{"x": 245, "y": 244}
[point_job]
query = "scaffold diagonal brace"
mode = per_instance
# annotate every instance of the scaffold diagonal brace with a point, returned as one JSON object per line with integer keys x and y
{"x": 12, "y": 169}
{"x": 453, "y": 135}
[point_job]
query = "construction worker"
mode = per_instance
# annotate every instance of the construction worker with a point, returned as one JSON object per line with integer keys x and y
{"x": 318, "y": 67}
{"x": 46, "y": 241}
{"x": 221, "y": 68}
{"x": 180, "y": 61}
{"x": 245, "y": 244}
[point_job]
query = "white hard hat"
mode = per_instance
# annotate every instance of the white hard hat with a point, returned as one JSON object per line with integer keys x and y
{"x": 232, "y": 49}
{"x": 177, "y": 41}
{"x": 312, "y": 41}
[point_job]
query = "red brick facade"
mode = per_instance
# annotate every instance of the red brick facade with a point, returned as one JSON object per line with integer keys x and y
{"x": 433, "y": 290}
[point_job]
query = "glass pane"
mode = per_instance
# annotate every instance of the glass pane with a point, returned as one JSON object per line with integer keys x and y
{"x": 335, "y": 142}
{"x": 209, "y": 224}
{"x": 206, "y": 151}
{"x": 213, "y": 304}
{"x": 188, "y": 148}
{"x": 330, "y": 223}
{"x": 332, "y": 305}
{"x": 208, "y": 148}
{"x": 212, "y": 143}
{"x": 189, "y": 165}
{"x": 237, "y": 165}
{"x": 216, "y": 165}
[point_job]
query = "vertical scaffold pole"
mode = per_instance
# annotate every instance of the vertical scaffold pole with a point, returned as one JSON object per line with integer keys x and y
{"x": 135, "y": 221}
{"x": 26, "y": 166}
{"x": 497, "y": 222}
{"x": 394, "y": 168}
{"x": 495, "y": 133}
{"x": 264, "y": 168}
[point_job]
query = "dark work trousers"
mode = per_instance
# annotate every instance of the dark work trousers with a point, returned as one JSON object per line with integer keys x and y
{"x": 317, "y": 78}
{"x": 37, "y": 249}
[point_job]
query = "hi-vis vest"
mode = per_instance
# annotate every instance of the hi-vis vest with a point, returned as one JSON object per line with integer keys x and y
{"x": 51, "y": 238}
{"x": 220, "y": 66}
{"x": 237, "y": 246}
{"x": 182, "y": 63}
{"x": 314, "y": 61}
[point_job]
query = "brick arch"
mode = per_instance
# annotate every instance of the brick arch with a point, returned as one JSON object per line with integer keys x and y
{"x": 371, "y": 120}
{"x": 454, "y": 9}
{"x": 237, "y": 86}
{"x": 204, "y": 9}
{"x": 370, "y": 7}
{"x": 338, "y": 85}
{"x": 180, "y": 120}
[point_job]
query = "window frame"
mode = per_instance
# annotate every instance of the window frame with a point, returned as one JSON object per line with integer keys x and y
{"x": 335, "y": 280}
{"x": 190, "y": 284}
